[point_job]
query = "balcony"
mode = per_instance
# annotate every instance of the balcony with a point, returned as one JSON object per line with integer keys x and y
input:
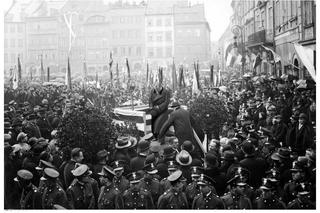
{"x": 257, "y": 38}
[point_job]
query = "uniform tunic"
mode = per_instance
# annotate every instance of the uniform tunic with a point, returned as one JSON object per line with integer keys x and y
{"x": 173, "y": 199}
{"x": 80, "y": 195}
{"x": 140, "y": 199}
{"x": 54, "y": 194}
{"x": 110, "y": 198}
{"x": 209, "y": 201}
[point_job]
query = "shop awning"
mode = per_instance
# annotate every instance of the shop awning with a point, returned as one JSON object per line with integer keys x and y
{"x": 306, "y": 56}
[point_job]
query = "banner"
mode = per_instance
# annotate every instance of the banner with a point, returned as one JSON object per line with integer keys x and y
{"x": 68, "y": 75}
{"x": 276, "y": 57}
{"x": 306, "y": 56}
{"x": 19, "y": 68}
{"x": 174, "y": 77}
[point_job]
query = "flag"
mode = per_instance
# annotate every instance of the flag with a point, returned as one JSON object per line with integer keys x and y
{"x": 257, "y": 61}
{"x": 182, "y": 82}
{"x": 174, "y": 76}
{"x": 68, "y": 75}
{"x": 19, "y": 68}
{"x": 196, "y": 68}
{"x": 195, "y": 84}
{"x": 41, "y": 70}
{"x": 110, "y": 67}
{"x": 31, "y": 74}
{"x": 48, "y": 74}
{"x": 307, "y": 58}
{"x": 15, "y": 79}
{"x": 211, "y": 74}
{"x": 147, "y": 74}
{"x": 97, "y": 81}
{"x": 276, "y": 57}
{"x": 128, "y": 68}
{"x": 118, "y": 77}
{"x": 85, "y": 72}
{"x": 160, "y": 76}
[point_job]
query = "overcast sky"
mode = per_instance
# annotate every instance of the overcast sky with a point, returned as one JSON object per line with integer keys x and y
{"x": 218, "y": 13}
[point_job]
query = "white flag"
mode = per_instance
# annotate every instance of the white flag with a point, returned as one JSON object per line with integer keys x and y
{"x": 306, "y": 56}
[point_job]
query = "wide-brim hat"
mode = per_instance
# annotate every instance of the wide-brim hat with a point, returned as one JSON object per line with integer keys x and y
{"x": 102, "y": 154}
{"x": 184, "y": 158}
{"x": 123, "y": 142}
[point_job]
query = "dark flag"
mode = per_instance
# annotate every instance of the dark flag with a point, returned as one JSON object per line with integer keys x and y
{"x": 196, "y": 69}
{"x": 211, "y": 74}
{"x": 128, "y": 68}
{"x": 182, "y": 83}
{"x": 68, "y": 76}
{"x": 110, "y": 67}
{"x": 160, "y": 75}
{"x": 41, "y": 70}
{"x": 19, "y": 68}
{"x": 118, "y": 77}
{"x": 85, "y": 72}
{"x": 257, "y": 61}
{"x": 48, "y": 74}
{"x": 174, "y": 76}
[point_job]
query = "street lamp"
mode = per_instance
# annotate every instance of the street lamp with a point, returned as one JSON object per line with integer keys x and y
{"x": 238, "y": 30}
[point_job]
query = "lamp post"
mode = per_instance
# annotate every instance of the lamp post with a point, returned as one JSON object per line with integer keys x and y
{"x": 238, "y": 30}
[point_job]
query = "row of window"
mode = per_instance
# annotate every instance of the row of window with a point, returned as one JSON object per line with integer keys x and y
{"x": 127, "y": 19}
{"x": 12, "y": 43}
{"x": 13, "y": 28}
{"x": 159, "y": 36}
{"x": 284, "y": 11}
{"x": 158, "y": 22}
{"x": 43, "y": 41}
{"x": 159, "y": 52}
{"x": 46, "y": 55}
{"x": 127, "y": 34}
{"x": 127, "y": 51}
{"x": 188, "y": 33}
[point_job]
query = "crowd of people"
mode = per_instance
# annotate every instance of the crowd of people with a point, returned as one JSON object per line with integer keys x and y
{"x": 265, "y": 157}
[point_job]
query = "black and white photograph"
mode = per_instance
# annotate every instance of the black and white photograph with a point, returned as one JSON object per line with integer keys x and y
{"x": 159, "y": 104}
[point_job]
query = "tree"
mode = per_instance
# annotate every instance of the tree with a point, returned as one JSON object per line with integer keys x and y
{"x": 210, "y": 113}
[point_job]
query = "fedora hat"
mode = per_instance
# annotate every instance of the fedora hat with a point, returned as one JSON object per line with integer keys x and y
{"x": 184, "y": 158}
{"x": 143, "y": 146}
{"x": 123, "y": 142}
{"x": 168, "y": 152}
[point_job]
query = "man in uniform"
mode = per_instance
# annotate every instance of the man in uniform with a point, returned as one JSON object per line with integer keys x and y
{"x": 207, "y": 199}
{"x": 110, "y": 197}
{"x": 136, "y": 197}
{"x": 174, "y": 198}
{"x": 192, "y": 189}
{"x": 269, "y": 198}
{"x": 30, "y": 196}
{"x": 137, "y": 163}
{"x": 101, "y": 162}
{"x": 80, "y": 192}
{"x": 119, "y": 181}
{"x": 303, "y": 198}
{"x": 236, "y": 197}
{"x": 53, "y": 193}
{"x": 150, "y": 182}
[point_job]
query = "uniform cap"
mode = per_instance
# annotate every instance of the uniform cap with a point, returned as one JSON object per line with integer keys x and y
{"x": 80, "y": 170}
{"x": 172, "y": 165}
{"x": 205, "y": 180}
{"x": 150, "y": 168}
{"x": 228, "y": 155}
{"x": 50, "y": 172}
{"x": 102, "y": 154}
{"x": 106, "y": 170}
{"x": 117, "y": 165}
{"x": 134, "y": 177}
{"x": 44, "y": 164}
{"x": 24, "y": 174}
{"x": 196, "y": 171}
{"x": 175, "y": 176}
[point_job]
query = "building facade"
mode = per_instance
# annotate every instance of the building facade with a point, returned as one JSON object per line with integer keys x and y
{"x": 277, "y": 25}
{"x": 140, "y": 32}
